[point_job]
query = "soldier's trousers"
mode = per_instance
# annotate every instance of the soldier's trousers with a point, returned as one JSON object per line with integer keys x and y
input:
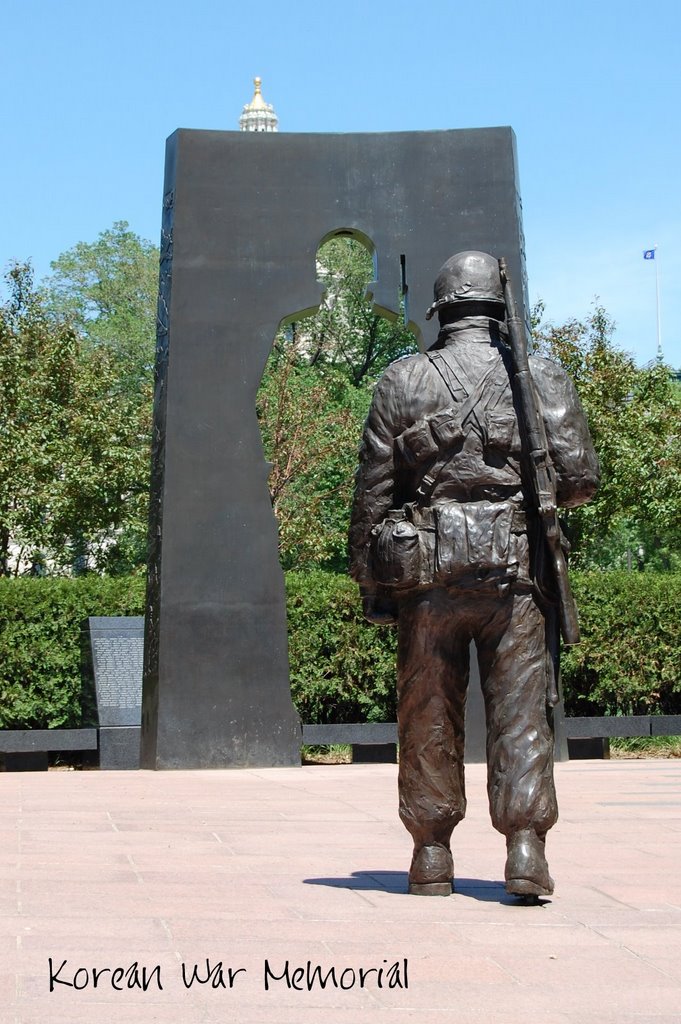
{"x": 435, "y": 630}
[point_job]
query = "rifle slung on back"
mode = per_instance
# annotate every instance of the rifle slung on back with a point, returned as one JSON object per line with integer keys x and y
{"x": 539, "y": 465}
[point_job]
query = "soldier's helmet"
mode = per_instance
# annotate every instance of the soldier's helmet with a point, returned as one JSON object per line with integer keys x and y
{"x": 467, "y": 277}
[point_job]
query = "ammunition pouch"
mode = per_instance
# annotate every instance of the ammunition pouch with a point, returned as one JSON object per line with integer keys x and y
{"x": 429, "y": 436}
{"x": 474, "y": 543}
{"x": 501, "y": 432}
{"x": 462, "y": 545}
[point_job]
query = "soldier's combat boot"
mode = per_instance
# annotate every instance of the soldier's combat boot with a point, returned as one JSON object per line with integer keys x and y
{"x": 527, "y": 873}
{"x": 431, "y": 871}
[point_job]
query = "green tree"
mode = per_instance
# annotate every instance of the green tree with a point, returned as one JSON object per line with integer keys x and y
{"x": 310, "y": 424}
{"x": 635, "y": 419}
{"x": 74, "y": 453}
{"x": 347, "y": 333}
{"x": 108, "y": 290}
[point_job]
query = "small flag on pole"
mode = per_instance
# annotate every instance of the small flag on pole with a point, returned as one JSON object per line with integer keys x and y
{"x": 648, "y": 254}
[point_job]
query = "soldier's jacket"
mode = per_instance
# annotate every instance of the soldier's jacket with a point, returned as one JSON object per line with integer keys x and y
{"x": 442, "y": 432}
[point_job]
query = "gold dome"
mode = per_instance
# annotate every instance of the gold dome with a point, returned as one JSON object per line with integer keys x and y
{"x": 258, "y": 116}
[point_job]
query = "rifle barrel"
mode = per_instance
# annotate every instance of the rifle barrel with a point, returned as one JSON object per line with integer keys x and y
{"x": 539, "y": 463}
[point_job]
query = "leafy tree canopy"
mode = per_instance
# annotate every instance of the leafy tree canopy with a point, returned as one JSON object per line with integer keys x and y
{"x": 635, "y": 419}
{"x": 107, "y": 290}
{"x": 74, "y": 457}
{"x": 347, "y": 333}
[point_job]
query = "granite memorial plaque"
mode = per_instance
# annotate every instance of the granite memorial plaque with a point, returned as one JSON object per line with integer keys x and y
{"x": 117, "y": 649}
{"x": 117, "y": 645}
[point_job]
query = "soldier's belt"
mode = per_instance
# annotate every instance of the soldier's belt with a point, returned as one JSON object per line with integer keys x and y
{"x": 450, "y": 544}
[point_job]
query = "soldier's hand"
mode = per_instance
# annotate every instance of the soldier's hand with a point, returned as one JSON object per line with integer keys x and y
{"x": 382, "y": 611}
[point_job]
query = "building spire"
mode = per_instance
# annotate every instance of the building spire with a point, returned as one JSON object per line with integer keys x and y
{"x": 258, "y": 116}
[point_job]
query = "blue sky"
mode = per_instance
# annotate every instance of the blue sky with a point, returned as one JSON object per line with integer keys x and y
{"x": 91, "y": 90}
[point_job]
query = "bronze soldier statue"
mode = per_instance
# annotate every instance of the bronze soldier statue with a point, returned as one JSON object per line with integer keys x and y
{"x": 454, "y": 537}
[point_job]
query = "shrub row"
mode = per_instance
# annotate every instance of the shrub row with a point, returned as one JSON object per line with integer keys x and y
{"x": 342, "y": 669}
{"x": 629, "y": 660}
{"x": 41, "y": 645}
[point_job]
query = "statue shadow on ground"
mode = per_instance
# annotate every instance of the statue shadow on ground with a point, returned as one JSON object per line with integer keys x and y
{"x": 396, "y": 882}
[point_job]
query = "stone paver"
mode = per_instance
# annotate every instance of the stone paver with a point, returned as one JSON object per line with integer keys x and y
{"x": 264, "y": 881}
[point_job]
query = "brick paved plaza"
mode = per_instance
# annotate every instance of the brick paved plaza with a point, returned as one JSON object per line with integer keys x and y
{"x": 263, "y": 871}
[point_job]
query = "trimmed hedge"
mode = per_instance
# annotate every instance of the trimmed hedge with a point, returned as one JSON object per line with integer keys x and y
{"x": 342, "y": 669}
{"x": 40, "y": 645}
{"x": 629, "y": 660}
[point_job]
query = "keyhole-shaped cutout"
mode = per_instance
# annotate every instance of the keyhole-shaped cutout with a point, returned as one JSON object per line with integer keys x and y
{"x": 314, "y": 397}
